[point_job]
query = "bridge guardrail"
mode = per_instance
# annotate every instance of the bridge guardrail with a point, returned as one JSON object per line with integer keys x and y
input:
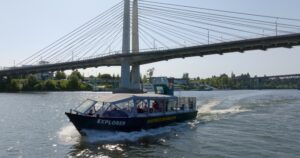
{"x": 114, "y": 53}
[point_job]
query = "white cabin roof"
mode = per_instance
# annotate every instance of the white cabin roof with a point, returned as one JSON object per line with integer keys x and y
{"x": 127, "y": 96}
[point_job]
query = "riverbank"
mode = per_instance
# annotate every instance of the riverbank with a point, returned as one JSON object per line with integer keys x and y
{"x": 61, "y": 82}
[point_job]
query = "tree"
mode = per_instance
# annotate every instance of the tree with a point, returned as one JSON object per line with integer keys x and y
{"x": 99, "y": 75}
{"x": 32, "y": 80}
{"x": 150, "y": 72}
{"x": 15, "y": 85}
{"x": 60, "y": 75}
{"x": 92, "y": 76}
{"x": 73, "y": 83}
{"x": 77, "y": 73}
{"x": 62, "y": 85}
{"x": 50, "y": 85}
{"x": 145, "y": 80}
{"x": 224, "y": 81}
{"x": 106, "y": 76}
{"x": 185, "y": 76}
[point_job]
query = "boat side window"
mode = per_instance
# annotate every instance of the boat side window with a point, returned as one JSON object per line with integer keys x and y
{"x": 155, "y": 106}
{"x": 159, "y": 90}
{"x": 172, "y": 105}
{"x": 98, "y": 105}
{"x": 85, "y": 106}
{"x": 114, "y": 111}
{"x": 192, "y": 103}
{"x": 103, "y": 108}
{"x": 182, "y": 103}
{"x": 187, "y": 103}
{"x": 125, "y": 106}
{"x": 142, "y": 106}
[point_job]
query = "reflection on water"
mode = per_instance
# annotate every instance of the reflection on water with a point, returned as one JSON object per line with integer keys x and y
{"x": 229, "y": 124}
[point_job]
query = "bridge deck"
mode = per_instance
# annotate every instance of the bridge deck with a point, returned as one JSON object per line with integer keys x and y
{"x": 287, "y": 41}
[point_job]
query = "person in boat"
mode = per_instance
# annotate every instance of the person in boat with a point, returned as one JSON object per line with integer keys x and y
{"x": 155, "y": 106}
{"x": 191, "y": 106}
{"x": 140, "y": 110}
{"x": 182, "y": 107}
{"x": 91, "y": 112}
{"x": 146, "y": 109}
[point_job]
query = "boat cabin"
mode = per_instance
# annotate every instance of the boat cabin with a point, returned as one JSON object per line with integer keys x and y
{"x": 135, "y": 105}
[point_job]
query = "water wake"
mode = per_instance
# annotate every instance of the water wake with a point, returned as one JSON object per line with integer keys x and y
{"x": 69, "y": 134}
{"x": 207, "y": 108}
{"x": 106, "y": 136}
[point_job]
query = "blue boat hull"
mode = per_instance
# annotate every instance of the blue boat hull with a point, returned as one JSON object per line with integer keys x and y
{"x": 127, "y": 124}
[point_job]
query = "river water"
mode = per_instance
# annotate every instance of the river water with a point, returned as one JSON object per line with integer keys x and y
{"x": 229, "y": 124}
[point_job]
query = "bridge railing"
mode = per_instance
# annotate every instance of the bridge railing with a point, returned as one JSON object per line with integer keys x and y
{"x": 152, "y": 50}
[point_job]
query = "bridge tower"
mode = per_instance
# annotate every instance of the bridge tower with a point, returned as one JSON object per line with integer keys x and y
{"x": 135, "y": 70}
{"x": 130, "y": 80}
{"x": 125, "y": 67}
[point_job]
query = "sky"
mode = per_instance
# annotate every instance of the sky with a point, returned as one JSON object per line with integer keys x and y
{"x": 28, "y": 26}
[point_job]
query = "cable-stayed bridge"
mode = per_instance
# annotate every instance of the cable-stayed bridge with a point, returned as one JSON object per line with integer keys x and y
{"x": 142, "y": 32}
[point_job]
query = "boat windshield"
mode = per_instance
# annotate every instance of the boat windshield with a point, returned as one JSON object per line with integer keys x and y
{"x": 85, "y": 106}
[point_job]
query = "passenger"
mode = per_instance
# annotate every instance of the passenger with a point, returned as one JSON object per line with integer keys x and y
{"x": 146, "y": 107}
{"x": 140, "y": 110}
{"x": 167, "y": 103}
{"x": 91, "y": 112}
{"x": 182, "y": 107}
{"x": 155, "y": 106}
{"x": 172, "y": 109}
{"x": 191, "y": 106}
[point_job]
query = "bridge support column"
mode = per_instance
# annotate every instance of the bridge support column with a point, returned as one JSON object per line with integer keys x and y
{"x": 125, "y": 67}
{"x": 135, "y": 70}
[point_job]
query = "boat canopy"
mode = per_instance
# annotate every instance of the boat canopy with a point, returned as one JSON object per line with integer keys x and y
{"x": 122, "y": 97}
{"x": 131, "y": 105}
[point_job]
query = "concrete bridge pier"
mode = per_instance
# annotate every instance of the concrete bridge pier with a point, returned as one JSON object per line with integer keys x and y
{"x": 125, "y": 67}
{"x": 130, "y": 80}
{"x": 135, "y": 69}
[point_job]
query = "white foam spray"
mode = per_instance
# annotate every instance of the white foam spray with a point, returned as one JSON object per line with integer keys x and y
{"x": 68, "y": 134}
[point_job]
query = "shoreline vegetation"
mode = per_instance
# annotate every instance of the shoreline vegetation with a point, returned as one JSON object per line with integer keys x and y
{"x": 105, "y": 82}
{"x": 60, "y": 82}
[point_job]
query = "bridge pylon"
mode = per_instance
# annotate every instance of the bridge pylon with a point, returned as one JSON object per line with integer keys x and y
{"x": 130, "y": 80}
{"x": 135, "y": 70}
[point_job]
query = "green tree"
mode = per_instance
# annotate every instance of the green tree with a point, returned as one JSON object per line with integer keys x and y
{"x": 78, "y": 74}
{"x": 15, "y": 85}
{"x": 145, "y": 80}
{"x": 73, "y": 83}
{"x": 150, "y": 72}
{"x": 99, "y": 76}
{"x": 60, "y": 75}
{"x": 62, "y": 85}
{"x": 91, "y": 76}
{"x": 185, "y": 76}
{"x": 29, "y": 82}
{"x": 106, "y": 76}
{"x": 50, "y": 85}
{"x": 40, "y": 86}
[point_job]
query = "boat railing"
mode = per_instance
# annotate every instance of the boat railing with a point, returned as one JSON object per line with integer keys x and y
{"x": 187, "y": 103}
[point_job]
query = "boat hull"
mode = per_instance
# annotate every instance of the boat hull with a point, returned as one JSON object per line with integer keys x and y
{"x": 127, "y": 124}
